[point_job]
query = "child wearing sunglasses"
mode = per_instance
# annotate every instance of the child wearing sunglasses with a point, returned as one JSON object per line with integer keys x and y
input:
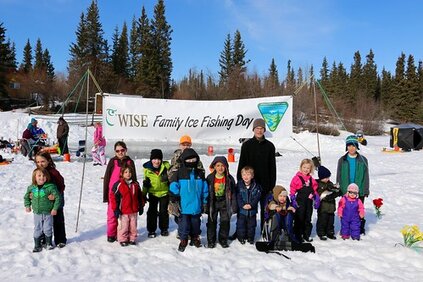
{"x": 351, "y": 211}
{"x": 111, "y": 176}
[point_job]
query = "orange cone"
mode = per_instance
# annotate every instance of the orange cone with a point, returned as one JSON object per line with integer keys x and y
{"x": 66, "y": 157}
{"x": 231, "y": 156}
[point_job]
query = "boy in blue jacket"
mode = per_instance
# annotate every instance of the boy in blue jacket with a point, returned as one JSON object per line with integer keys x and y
{"x": 248, "y": 197}
{"x": 190, "y": 186}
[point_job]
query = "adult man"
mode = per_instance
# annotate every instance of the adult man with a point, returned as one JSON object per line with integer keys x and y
{"x": 259, "y": 153}
{"x": 353, "y": 168}
{"x": 62, "y": 135}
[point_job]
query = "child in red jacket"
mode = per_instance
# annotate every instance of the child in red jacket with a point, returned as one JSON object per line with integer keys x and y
{"x": 127, "y": 202}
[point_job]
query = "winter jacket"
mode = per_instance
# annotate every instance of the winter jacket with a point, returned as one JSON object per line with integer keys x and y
{"x": 189, "y": 184}
{"x": 260, "y": 155}
{"x": 345, "y": 200}
{"x": 40, "y": 203}
{"x": 297, "y": 184}
{"x": 112, "y": 174}
{"x": 361, "y": 174}
{"x": 56, "y": 178}
{"x": 127, "y": 197}
{"x": 62, "y": 129}
{"x": 274, "y": 203}
{"x": 35, "y": 131}
{"x": 27, "y": 134}
{"x": 328, "y": 193}
{"x": 248, "y": 196}
{"x": 158, "y": 178}
{"x": 99, "y": 139}
{"x": 230, "y": 188}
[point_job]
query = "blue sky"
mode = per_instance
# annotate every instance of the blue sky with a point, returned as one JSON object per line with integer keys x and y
{"x": 301, "y": 31}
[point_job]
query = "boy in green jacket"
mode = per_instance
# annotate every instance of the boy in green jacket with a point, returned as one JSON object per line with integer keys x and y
{"x": 36, "y": 197}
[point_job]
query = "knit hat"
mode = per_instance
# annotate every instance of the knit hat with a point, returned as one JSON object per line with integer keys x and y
{"x": 185, "y": 139}
{"x": 259, "y": 122}
{"x": 156, "y": 154}
{"x": 33, "y": 120}
{"x": 352, "y": 188}
{"x": 351, "y": 140}
{"x": 323, "y": 172}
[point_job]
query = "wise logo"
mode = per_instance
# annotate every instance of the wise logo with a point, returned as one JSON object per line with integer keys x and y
{"x": 272, "y": 113}
{"x": 110, "y": 113}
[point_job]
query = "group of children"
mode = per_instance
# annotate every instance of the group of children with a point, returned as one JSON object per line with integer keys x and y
{"x": 181, "y": 188}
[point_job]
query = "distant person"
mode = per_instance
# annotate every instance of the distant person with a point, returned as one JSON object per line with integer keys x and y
{"x": 62, "y": 135}
{"x": 221, "y": 202}
{"x": 354, "y": 168}
{"x": 259, "y": 153}
{"x": 156, "y": 188}
{"x": 303, "y": 189}
{"x": 43, "y": 208}
{"x": 351, "y": 211}
{"x": 111, "y": 176}
{"x": 99, "y": 148}
{"x": 328, "y": 192}
{"x": 190, "y": 186}
{"x": 360, "y": 138}
{"x": 127, "y": 203}
{"x": 44, "y": 160}
{"x": 32, "y": 139}
{"x": 248, "y": 197}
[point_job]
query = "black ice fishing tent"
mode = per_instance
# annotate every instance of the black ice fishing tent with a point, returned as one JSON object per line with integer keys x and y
{"x": 408, "y": 136}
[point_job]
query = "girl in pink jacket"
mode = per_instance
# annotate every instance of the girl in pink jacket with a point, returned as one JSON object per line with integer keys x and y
{"x": 98, "y": 150}
{"x": 303, "y": 190}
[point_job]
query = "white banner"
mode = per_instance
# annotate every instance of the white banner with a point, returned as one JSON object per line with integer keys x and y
{"x": 136, "y": 118}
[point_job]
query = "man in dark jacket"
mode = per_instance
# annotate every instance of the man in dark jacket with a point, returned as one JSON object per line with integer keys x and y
{"x": 259, "y": 153}
{"x": 62, "y": 135}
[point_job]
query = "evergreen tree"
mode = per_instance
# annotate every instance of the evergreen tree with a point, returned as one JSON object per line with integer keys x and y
{"x": 324, "y": 74}
{"x": 290, "y": 78}
{"x": 120, "y": 54}
{"x": 273, "y": 75}
{"x": 398, "y": 99}
{"x": 239, "y": 52}
{"x": 370, "y": 77}
{"x": 48, "y": 64}
{"x": 161, "y": 66}
{"x": 226, "y": 60}
{"x": 411, "y": 96}
{"x": 355, "y": 80}
{"x": 386, "y": 89}
{"x": 134, "y": 48}
{"x": 39, "y": 62}
{"x": 26, "y": 65}
{"x": 145, "y": 77}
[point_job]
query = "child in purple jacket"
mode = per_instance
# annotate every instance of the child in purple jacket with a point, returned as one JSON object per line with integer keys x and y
{"x": 351, "y": 211}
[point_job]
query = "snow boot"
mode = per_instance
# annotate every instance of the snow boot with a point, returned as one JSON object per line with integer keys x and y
{"x": 37, "y": 245}
{"x": 182, "y": 245}
{"x": 362, "y": 226}
{"x": 196, "y": 242}
{"x": 49, "y": 243}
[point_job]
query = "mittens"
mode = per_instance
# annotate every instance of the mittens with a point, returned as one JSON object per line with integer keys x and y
{"x": 146, "y": 183}
{"x": 316, "y": 201}
{"x": 140, "y": 210}
{"x": 117, "y": 213}
{"x": 294, "y": 201}
{"x": 205, "y": 208}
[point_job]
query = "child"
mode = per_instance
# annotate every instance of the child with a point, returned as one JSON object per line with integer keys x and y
{"x": 354, "y": 168}
{"x": 303, "y": 190}
{"x": 281, "y": 212}
{"x": 44, "y": 160}
{"x": 98, "y": 150}
{"x": 128, "y": 201}
{"x": 248, "y": 197}
{"x": 190, "y": 186}
{"x": 222, "y": 201}
{"x": 111, "y": 176}
{"x": 326, "y": 212}
{"x": 43, "y": 208}
{"x": 156, "y": 187}
{"x": 351, "y": 211}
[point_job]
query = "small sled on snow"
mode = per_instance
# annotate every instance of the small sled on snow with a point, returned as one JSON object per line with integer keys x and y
{"x": 268, "y": 247}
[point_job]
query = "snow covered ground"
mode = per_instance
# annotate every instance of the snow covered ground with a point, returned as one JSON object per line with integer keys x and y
{"x": 395, "y": 177}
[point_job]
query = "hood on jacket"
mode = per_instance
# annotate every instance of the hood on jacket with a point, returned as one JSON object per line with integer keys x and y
{"x": 277, "y": 190}
{"x": 188, "y": 154}
{"x": 219, "y": 159}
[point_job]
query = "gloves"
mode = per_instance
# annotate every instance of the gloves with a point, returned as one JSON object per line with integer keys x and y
{"x": 140, "y": 210}
{"x": 294, "y": 202}
{"x": 146, "y": 183}
{"x": 205, "y": 208}
{"x": 316, "y": 201}
{"x": 117, "y": 213}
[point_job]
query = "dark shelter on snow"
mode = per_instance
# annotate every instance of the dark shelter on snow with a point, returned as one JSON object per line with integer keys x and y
{"x": 407, "y": 136}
